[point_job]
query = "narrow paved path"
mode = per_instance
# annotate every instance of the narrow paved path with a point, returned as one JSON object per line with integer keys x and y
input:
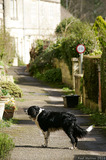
{"x": 28, "y": 138}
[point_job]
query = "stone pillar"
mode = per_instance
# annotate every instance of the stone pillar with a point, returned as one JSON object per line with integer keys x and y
{"x": 78, "y": 85}
{"x": 75, "y": 69}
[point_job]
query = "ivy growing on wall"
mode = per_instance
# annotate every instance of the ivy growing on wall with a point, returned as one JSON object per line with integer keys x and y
{"x": 103, "y": 79}
{"x": 7, "y": 47}
{"x": 91, "y": 78}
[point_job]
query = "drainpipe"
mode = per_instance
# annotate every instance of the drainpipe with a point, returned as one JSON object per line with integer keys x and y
{"x": 22, "y": 56}
{"x": 4, "y": 15}
{"x": 66, "y": 4}
{"x": 39, "y": 18}
{"x": 99, "y": 82}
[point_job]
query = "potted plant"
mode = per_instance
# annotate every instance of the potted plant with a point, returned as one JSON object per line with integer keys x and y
{"x": 2, "y": 105}
{"x": 9, "y": 109}
{"x": 4, "y": 95}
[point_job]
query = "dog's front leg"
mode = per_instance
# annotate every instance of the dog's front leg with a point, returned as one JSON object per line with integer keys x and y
{"x": 46, "y": 137}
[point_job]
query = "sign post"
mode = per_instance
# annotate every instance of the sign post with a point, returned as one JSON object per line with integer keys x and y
{"x": 80, "y": 49}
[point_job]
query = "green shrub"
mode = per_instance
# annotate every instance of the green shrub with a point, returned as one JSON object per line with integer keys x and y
{"x": 39, "y": 46}
{"x": 96, "y": 52}
{"x": 1, "y": 63}
{"x": 68, "y": 91}
{"x": 53, "y": 75}
{"x": 103, "y": 80}
{"x": 42, "y": 62}
{"x": 7, "y": 123}
{"x": 12, "y": 88}
{"x": 73, "y": 32}
{"x": 6, "y": 145}
{"x": 64, "y": 25}
{"x": 32, "y": 68}
{"x": 7, "y": 46}
{"x": 98, "y": 118}
{"x": 100, "y": 30}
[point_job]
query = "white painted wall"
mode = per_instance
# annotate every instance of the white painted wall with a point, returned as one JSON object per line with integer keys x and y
{"x": 35, "y": 19}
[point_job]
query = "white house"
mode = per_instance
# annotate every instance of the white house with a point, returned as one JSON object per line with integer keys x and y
{"x": 28, "y": 20}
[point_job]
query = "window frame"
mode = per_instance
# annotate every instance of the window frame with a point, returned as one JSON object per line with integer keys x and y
{"x": 13, "y": 9}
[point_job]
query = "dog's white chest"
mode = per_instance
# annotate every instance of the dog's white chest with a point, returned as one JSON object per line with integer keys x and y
{"x": 37, "y": 123}
{"x": 36, "y": 120}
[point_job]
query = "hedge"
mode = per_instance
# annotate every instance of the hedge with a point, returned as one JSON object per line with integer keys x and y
{"x": 91, "y": 78}
{"x": 103, "y": 80}
{"x": 100, "y": 30}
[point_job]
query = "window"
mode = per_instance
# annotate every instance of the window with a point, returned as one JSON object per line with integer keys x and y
{"x": 13, "y": 9}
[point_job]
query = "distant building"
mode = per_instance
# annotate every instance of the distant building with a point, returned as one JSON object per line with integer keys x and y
{"x": 28, "y": 20}
{"x": 65, "y": 13}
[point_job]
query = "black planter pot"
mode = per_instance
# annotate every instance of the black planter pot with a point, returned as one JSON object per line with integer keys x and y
{"x": 70, "y": 100}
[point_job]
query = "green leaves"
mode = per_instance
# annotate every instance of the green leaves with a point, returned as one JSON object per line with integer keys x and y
{"x": 12, "y": 88}
{"x": 6, "y": 145}
{"x": 53, "y": 75}
{"x": 7, "y": 47}
{"x": 100, "y": 30}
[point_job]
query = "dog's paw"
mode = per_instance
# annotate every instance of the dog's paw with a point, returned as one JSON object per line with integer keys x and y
{"x": 72, "y": 148}
{"x": 44, "y": 146}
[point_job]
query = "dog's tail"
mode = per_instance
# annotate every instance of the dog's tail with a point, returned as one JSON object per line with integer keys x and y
{"x": 90, "y": 128}
{"x": 80, "y": 132}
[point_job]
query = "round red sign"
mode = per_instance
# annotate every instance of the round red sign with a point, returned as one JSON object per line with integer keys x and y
{"x": 80, "y": 48}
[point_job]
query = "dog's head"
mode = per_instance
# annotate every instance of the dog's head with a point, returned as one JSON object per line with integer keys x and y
{"x": 33, "y": 111}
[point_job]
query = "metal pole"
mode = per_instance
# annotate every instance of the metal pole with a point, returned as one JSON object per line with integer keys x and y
{"x": 81, "y": 63}
{"x": 4, "y": 24}
{"x": 39, "y": 18}
{"x": 23, "y": 54}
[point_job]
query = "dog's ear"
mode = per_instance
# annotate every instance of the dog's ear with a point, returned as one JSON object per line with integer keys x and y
{"x": 36, "y": 108}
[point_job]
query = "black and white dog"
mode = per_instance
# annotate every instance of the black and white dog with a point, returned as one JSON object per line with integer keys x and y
{"x": 49, "y": 121}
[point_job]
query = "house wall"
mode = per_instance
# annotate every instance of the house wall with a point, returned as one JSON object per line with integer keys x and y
{"x": 35, "y": 19}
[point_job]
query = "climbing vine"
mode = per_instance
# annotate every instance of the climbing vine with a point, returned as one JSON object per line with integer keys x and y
{"x": 103, "y": 79}
{"x": 91, "y": 78}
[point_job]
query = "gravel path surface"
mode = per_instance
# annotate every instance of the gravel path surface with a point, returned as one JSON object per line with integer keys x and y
{"x": 28, "y": 138}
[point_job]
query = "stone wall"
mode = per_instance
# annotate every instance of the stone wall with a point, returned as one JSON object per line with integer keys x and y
{"x": 78, "y": 85}
{"x": 67, "y": 78}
